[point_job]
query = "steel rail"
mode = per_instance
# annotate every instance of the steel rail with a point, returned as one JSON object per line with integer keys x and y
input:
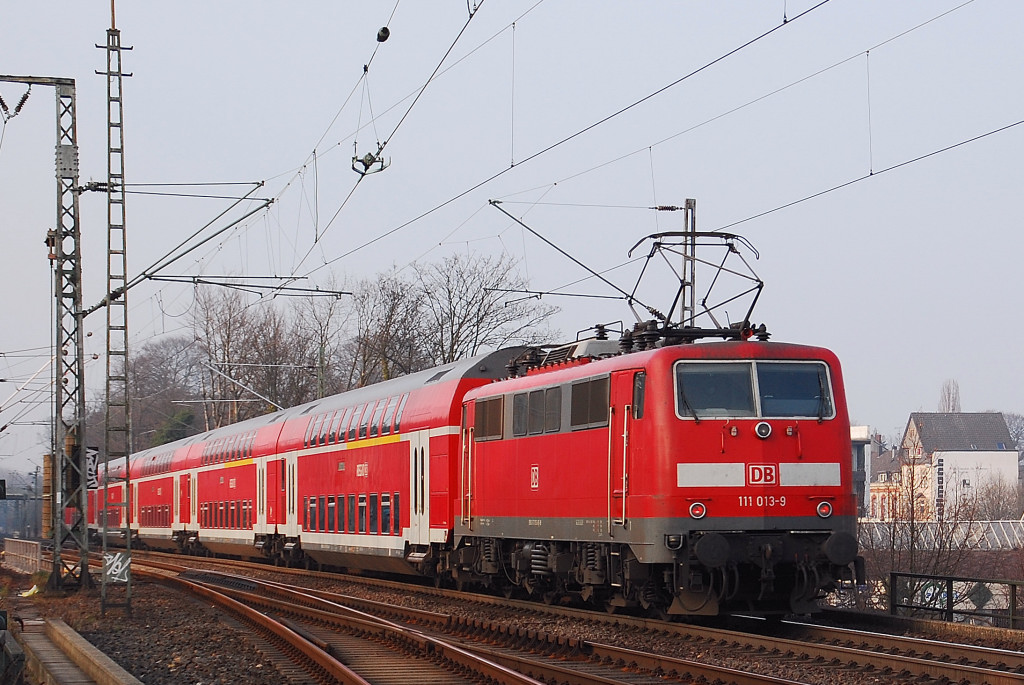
{"x": 278, "y": 632}
{"x": 871, "y": 655}
{"x": 575, "y": 655}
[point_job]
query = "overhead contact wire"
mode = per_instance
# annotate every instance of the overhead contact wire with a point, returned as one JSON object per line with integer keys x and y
{"x": 904, "y": 163}
{"x": 387, "y": 140}
{"x": 564, "y": 140}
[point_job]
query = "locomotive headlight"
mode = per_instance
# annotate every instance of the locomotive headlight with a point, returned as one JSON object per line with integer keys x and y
{"x": 824, "y": 509}
{"x": 698, "y": 510}
{"x": 763, "y": 429}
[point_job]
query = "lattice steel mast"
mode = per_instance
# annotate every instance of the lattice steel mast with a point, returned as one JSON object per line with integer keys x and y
{"x": 117, "y": 445}
{"x": 67, "y": 478}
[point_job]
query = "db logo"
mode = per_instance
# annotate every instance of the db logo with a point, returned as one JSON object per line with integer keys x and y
{"x": 534, "y": 477}
{"x": 762, "y": 474}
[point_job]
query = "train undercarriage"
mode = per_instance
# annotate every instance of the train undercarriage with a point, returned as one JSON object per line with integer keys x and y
{"x": 769, "y": 574}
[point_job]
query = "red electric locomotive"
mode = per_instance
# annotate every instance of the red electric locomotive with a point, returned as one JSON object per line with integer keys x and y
{"x": 653, "y": 472}
{"x": 689, "y": 478}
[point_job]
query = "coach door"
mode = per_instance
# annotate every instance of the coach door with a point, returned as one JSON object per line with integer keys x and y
{"x": 623, "y": 396}
{"x": 182, "y": 502}
{"x": 419, "y": 489}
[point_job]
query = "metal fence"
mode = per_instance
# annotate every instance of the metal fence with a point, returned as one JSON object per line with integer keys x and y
{"x": 982, "y": 601}
{"x": 25, "y": 556}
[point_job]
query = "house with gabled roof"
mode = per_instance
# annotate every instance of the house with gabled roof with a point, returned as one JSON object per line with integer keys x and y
{"x": 943, "y": 459}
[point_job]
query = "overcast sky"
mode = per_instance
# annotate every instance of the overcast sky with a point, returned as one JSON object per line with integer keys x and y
{"x": 908, "y": 273}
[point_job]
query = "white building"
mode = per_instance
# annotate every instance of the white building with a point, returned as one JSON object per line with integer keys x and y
{"x": 943, "y": 459}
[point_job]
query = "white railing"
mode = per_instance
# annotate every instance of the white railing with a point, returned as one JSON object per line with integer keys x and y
{"x": 25, "y": 556}
{"x": 929, "y": 535}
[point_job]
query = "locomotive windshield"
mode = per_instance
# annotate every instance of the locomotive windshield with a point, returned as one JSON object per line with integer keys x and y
{"x": 748, "y": 389}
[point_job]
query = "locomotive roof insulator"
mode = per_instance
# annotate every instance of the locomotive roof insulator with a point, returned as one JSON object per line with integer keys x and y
{"x": 626, "y": 342}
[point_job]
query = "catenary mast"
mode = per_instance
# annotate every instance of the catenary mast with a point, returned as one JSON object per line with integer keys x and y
{"x": 117, "y": 446}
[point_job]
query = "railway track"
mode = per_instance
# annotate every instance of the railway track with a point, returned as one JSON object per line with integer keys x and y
{"x": 538, "y": 655}
{"x": 360, "y": 650}
{"x": 841, "y": 652}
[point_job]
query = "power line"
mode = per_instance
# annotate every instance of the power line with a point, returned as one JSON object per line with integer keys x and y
{"x": 568, "y": 138}
{"x": 873, "y": 174}
{"x": 382, "y": 145}
{"x": 754, "y": 101}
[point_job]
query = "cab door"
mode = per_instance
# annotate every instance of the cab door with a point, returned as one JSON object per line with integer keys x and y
{"x": 626, "y": 407}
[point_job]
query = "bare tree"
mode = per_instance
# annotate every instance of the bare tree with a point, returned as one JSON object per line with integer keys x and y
{"x": 163, "y": 377}
{"x": 949, "y": 397}
{"x": 926, "y": 529}
{"x": 997, "y": 499}
{"x": 1015, "y": 422}
{"x": 281, "y": 364}
{"x": 223, "y": 324}
{"x": 468, "y": 307}
{"x": 321, "y": 320}
{"x": 389, "y": 338}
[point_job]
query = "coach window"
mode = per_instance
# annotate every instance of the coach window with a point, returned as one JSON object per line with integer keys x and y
{"x": 351, "y": 513}
{"x": 325, "y": 429}
{"x": 321, "y": 522}
{"x": 353, "y": 427}
{"x": 488, "y": 424}
{"x": 385, "y": 513}
{"x": 341, "y": 514}
{"x": 639, "y": 390}
{"x": 398, "y": 413}
{"x": 389, "y": 416}
{"x": 589, "y": 403}
{"x": 305, "y": 513}
{"x": 330, "y": 513}
{"x": 332, "y": 433}
{"x": 536, "y": 412}
{"x": 364, "y": 423}
{"x": 314, "y": 429}
{"x": 552, "y": 410}
{"x": 520, "y": 414}
{"x": 375, "y": 421}
{"x": 362, "y": 513}
{"x": 348, "y": 428}
{"x": 373, "y": 513}
{"x": 343, "y": 425}
{"x": 398, "y": 514}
